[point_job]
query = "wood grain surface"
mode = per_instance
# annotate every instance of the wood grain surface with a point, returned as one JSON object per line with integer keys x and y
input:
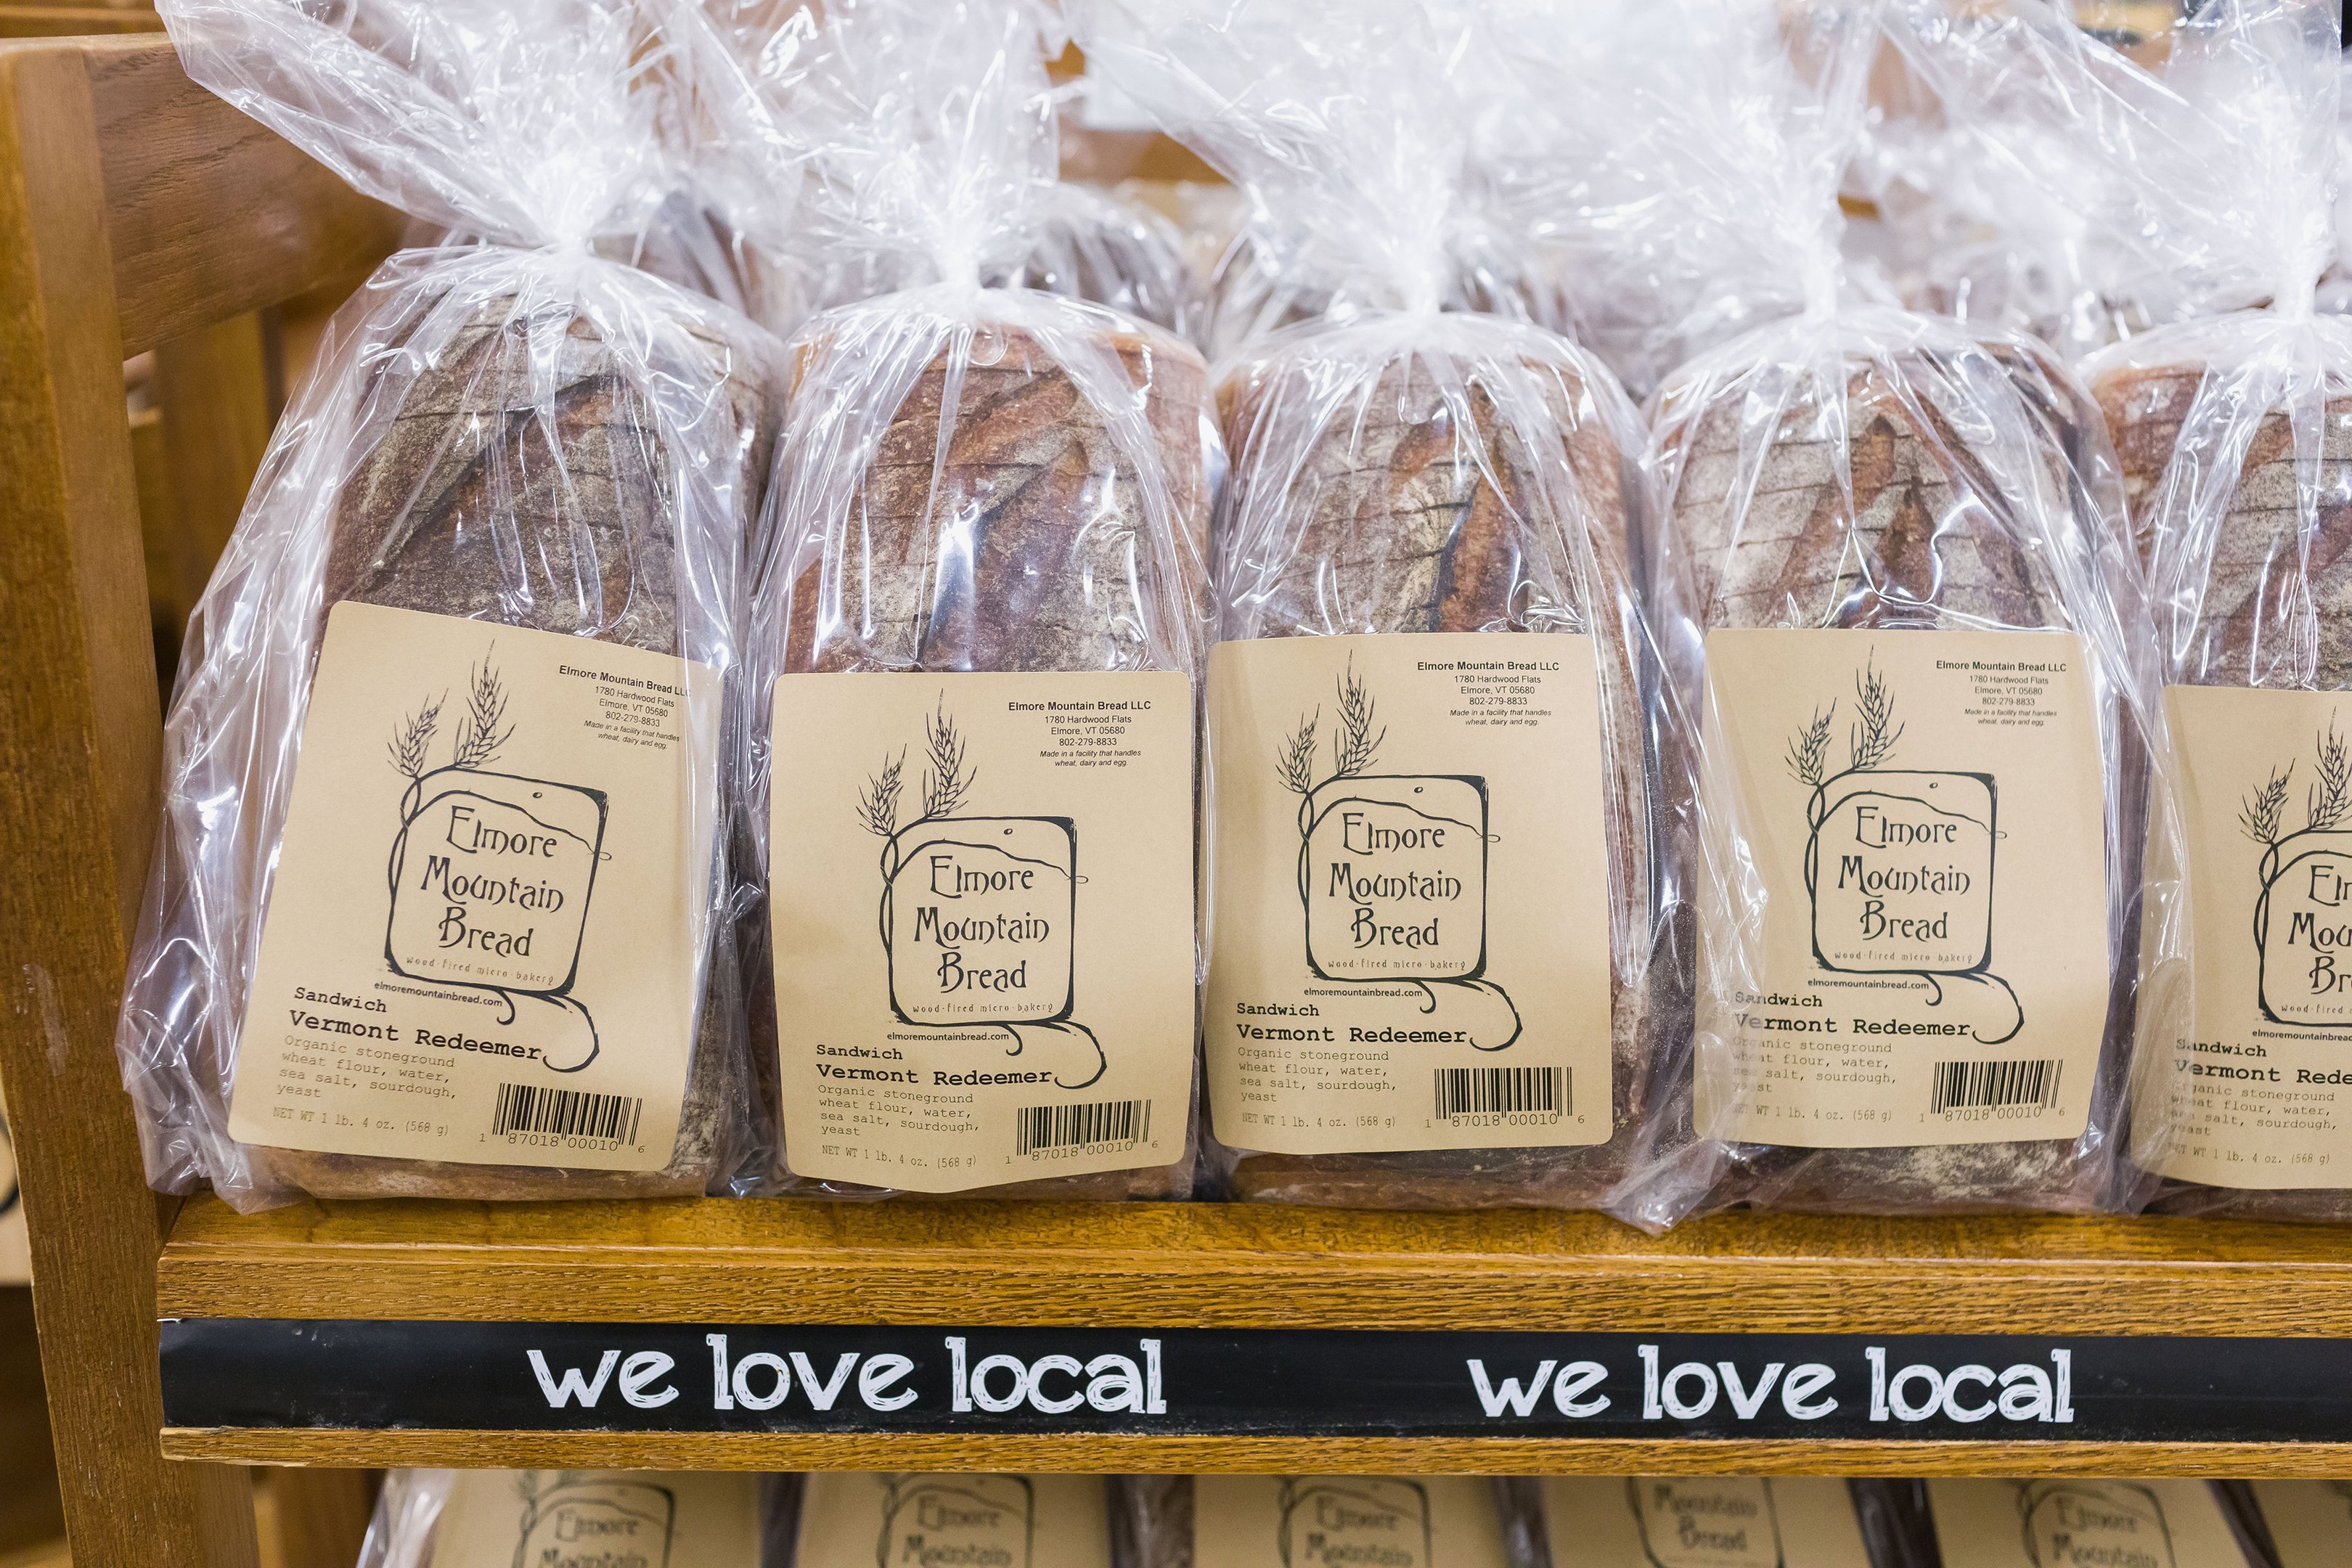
{"x": 176, "y": 160}
{"x": 1089, "y": 1454}
{"x": 78, "y": 760}
{"x": 1204, "y": 1265}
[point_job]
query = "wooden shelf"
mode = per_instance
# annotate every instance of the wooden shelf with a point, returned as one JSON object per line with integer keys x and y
{"x": 1246, "y": 1265}
{"x": 1226, "y": 1267}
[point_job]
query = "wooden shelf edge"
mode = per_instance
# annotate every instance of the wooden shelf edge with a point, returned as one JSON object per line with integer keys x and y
{"x": 1109, "y": 1453}
{"x": 1226, "y": 1266}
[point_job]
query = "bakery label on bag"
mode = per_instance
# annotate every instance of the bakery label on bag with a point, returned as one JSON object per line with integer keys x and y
{"x": 1903, "y": 932}
{"x": 1408, "y": 942}
{"x": 2080, "y": 1523}
{"x": 1665, "y": 1522}
{"x": 981, "y": 892}
{"x": 2259, "y": 1092}
{"x": 597, "y": 1519}
{"x": 485, "y": 935}
{"x": 900, "y": 1520}
{"x": 1346, "y": 1522}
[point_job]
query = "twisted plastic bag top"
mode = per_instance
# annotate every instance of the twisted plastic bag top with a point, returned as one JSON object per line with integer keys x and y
{"x": 2209, "y": 412}
{"x": 2121, "y": 198}
{"x": 1681, "y": 161}
{"x": 516, "y": 120}
{"x": 1353, "y": 137}
{"x": 533, "y": 438}
{"x": 2007, "y": 211}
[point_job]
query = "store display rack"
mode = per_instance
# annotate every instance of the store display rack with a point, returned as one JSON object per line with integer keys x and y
{"x": 136, "y": 209}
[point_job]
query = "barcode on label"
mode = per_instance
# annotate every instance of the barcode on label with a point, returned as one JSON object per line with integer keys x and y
{"x": 1982, "y": 1086}
{"x": 1076, "y": 1126}
{"x": 566, "y": 1113}
{"x": 1483, "y": 1092}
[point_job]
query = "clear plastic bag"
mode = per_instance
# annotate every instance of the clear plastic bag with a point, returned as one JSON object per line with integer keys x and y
{"x": 1665, "y": 223}
{"x": 1400, "y": 468}
{"x": 514, "y": 1512}
{"x": 2235, "y": 435}
{"x": 523, "y": 437}
{"x": 1857, "y": 467}
{"x": 2017, "y": 166}
{"x": 1090, "y": 245}
{"x": 972, "y": 478}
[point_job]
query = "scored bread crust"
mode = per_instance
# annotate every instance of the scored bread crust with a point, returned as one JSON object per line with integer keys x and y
{"x": 494, "y": 499}
{"x": 1397, "y": 527}
{"x": 1925, "y": 542}
{"x": 1025, "y": 545}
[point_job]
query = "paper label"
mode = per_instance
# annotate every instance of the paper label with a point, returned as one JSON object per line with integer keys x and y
{"x": 981, "y": 894}
{"x": 1408, "y": 873}
{"x": 598, "y": 1518}
{"x": 2258, "y": 1093}
{"x": 953, "y": 1522}
{"x": 2310, "y": 1522}
{"x": 1904, "y": 937}
{"x": 1346, "y": 1522}
{"x": 2081, "y": 1524}
{"x": 485, "y": 941}
{"x": 1665, "y": 1522}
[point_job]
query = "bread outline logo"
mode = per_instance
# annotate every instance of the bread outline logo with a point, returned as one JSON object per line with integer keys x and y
{"x": 2093, "y": 1524}
{"x": 582, "y": 1523}
{"x": 1899, "y": 864}
{"x": 1346, "y": 1522}
{"x": 491, "y": 873}
{"x": 979, "y": 914}
{"x": 1714, "y": 1523}
{"x": 1393, "y": 872}
{"x": 2302, "y": 916}
{"x": 965, "y": 1522}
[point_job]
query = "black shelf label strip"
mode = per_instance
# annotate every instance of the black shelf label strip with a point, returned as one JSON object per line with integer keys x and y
{"x": 697, "y": 1377}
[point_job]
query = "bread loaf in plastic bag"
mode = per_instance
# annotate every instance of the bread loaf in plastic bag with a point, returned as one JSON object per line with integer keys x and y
{"x": 1853, "y": 467}
{"x": 1407, "y": 467}
{"x": 2235, "y": 435}
{"x": 970, "y": 479}
{"x": 516, "y": 434}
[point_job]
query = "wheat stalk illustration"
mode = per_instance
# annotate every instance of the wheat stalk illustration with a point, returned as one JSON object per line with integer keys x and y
{"x": 945, "y": 782}
{"x": 1296, "y": 763}
{"x": 478, "y": 734}
{"x": 1869, "y": 738}
{"x": 1354, "y": 747}
{"x": 1807, "y": 752}
{"x": 2258, "y": 816}
{"x": 413, "y": 736}
{"x": 877, "y": 804}
{"x": 2330, "y": 795}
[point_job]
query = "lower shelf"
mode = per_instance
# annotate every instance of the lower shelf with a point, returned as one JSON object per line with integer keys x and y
{"x": 793, "y": 1334}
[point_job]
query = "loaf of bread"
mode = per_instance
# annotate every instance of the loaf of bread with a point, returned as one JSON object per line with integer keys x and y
{"x": 1931, "y": 537}
{"x": 493, "y": 495}
{"x": 1413, "y": 511}
{"x": 2267, "y": 585}
{"x": 1000, "y": 526}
